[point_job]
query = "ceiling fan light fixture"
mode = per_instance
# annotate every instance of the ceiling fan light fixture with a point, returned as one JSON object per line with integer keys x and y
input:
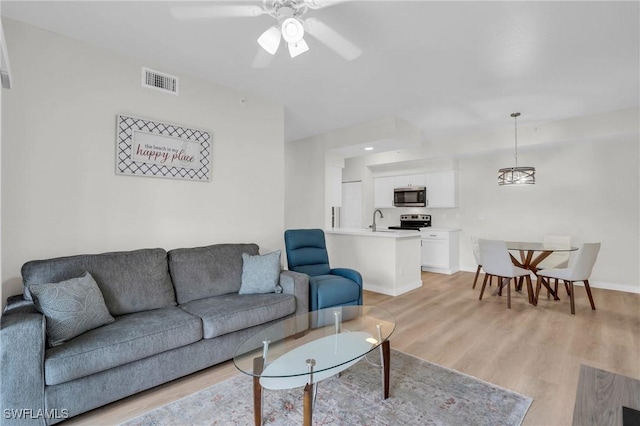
{"x": 270, "y": 40}
{"x": 292, "y": 30}
{"x": 298, "y": 48}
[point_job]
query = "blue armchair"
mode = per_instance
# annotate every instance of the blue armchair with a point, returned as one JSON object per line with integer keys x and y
{"x": 307, "y": 253}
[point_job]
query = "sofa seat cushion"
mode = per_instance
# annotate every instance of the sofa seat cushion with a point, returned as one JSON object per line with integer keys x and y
{"x": 232, "y": 312}
{"x": 129, "y": 338}
{"x": 334, "y": 290}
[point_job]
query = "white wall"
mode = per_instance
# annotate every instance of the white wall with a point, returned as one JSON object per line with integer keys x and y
{"x": 588, "y": 186}
{"x": 60, "y": 193}
{"x": 588, "y": 190}
{"x": 305, "y": 183}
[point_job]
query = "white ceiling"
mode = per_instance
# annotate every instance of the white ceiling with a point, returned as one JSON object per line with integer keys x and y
{"x": 449, "y": 67}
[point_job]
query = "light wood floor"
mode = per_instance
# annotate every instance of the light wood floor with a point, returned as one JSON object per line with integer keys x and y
{"x": 536, "y": 351}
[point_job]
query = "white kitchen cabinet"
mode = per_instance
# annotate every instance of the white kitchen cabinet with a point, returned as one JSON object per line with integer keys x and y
{"x": 441, "y": 189}
{"x": 440, "y": 250}
{"x": 383, "y": 192}
{"x": 409, "y": 180}
{"x": 383, "y": 187}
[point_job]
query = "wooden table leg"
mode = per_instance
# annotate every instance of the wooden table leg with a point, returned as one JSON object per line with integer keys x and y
{"x": 308, "y": 405}
{"x": 386, "y": 368}
{"x": 258, "y": 366}
{"x": 500, "y": 286}
{"x": 549, "y": 289}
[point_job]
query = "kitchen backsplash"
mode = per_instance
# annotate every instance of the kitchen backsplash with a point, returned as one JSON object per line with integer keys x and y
{"x": 440, "y": 218}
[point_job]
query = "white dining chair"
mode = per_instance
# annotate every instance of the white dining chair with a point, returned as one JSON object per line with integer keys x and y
{"x": 476, "y": 254}
{"x": 496, "y": 261}
{"x": 580, "y": 271}
{"x": 557, "y": 259}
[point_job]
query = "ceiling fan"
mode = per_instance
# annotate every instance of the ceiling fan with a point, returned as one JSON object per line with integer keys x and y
{"x": 291, "y": 26}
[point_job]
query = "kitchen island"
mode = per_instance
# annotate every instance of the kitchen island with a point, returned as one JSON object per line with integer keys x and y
{"x": 389, "y": 260}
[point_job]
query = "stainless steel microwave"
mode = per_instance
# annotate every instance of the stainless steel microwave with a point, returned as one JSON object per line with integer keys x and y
{"x": 410, "y": 196}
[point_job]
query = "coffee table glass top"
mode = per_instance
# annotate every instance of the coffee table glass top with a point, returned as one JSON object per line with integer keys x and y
{"x": 334, "y": 338}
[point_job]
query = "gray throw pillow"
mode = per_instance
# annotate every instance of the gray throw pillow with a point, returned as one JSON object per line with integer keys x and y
{"x": 260, "y": 274}
{"x": 71, "y": 307}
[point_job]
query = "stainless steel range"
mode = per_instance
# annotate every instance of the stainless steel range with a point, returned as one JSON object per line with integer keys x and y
{"x": 413, "y": 221}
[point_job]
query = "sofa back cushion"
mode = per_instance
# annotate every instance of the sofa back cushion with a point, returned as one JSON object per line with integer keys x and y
{"x": 130, "y": 281}
{"x": 208, "y": 271}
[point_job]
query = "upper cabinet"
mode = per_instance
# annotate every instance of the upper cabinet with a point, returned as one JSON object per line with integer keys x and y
{"x": 383, "y": 192}
{"x": 409, "y": 180}
{"x": 441, "y": 188}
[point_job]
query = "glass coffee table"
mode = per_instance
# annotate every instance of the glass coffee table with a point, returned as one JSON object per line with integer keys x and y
{"x": 305, "y": 349}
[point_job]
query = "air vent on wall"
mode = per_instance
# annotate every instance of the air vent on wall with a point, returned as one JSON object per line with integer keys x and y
{"x": 159, "y": 81}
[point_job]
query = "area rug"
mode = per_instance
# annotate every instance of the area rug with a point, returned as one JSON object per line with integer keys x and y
{"x": 421, "y": 393}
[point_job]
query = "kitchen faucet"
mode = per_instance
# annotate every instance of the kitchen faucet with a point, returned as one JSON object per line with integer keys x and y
{"x": 373, "y": 226}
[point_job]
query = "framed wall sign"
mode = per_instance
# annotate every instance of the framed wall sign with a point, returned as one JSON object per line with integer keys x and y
{"x": 150, "y": 148}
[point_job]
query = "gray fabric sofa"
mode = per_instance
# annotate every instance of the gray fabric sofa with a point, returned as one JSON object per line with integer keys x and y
{"x": 175, "y": 313}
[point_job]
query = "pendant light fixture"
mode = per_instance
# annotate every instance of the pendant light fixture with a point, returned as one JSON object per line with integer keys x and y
{"x": 517, "y": 175}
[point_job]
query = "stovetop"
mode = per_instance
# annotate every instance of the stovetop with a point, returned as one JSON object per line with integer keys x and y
{"x": 413, "y": 228}
{"x": 413, "y": 221}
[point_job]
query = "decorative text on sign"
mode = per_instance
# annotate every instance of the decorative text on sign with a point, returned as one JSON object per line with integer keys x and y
{"x": 152, "y": 148}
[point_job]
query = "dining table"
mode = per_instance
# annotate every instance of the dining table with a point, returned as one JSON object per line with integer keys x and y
{"x": 532, "y": 253}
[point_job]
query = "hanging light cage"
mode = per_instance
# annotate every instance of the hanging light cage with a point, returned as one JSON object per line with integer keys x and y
{"x": 516, "y": 175}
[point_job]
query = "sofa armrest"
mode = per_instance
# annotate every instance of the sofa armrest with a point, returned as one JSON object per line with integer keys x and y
{"x": 22, "y": 346}
{"x": 18, "y": 304}
{"x": 352, "y": 274}
{"x": 297, "y": 284}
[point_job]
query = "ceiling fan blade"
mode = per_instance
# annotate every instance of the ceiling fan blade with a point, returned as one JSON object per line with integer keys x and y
{"x": 222, "y": 11}
{"x": 332, "y": 39}
{"x": 262, "y": 59}
{"x": 319, "y": 4}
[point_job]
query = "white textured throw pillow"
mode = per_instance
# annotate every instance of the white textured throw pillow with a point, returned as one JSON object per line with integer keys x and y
{"x": 71, "y": 307}
{"x": 260, "y": 274}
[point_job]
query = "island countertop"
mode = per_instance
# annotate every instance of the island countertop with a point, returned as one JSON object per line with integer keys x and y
{"x": 380, "y": 233}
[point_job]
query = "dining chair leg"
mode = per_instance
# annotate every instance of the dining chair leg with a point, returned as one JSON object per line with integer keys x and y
{"x": 573, "y": 304}
{"x": 508, "y": 292}
{"x": 533, "y": 300}
{"x": 476, "y": 278}
{"x": 556, "y": 286}
{"x": 588, "y": 288}
{"x": 484, "y": 284}
{"x": 538, "y": 286}
{"x": 529, "y": 293}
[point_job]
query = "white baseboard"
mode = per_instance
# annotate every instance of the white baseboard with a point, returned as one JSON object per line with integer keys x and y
{"x": 439, "y": 270}
{"x": 392, "y": 292}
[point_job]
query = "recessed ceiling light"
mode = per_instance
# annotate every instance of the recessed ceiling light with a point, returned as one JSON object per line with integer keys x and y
{"x": 369, "y": 148}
